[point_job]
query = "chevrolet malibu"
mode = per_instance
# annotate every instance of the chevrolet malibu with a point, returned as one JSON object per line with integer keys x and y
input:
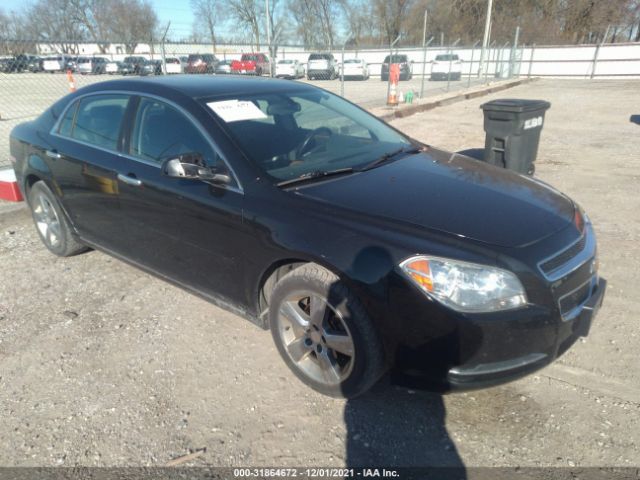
{"x": 362, "y": 250}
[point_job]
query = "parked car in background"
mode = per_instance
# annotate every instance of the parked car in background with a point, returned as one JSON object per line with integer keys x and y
{"x": 6, "y": 65}
{"x": 34, "y": 65}
{"x": 252, "y": 64}
{"x": 16, "y": 64}
{"x": 151, "y": 67}
{"x": 406, "y": 67}
{"x": 72, "y": 64}
{"x": 289, "y": 69}
{"x": 125, "y": 68}
{"x": 173, "y": 65}
{"x": 201, "y": 63}
{"x": 111, "y": 67}
{"x": 322, "y": 65}
{"x": 94, "y": 65}
{"x": 446, "y": 66}
{"x": 355, "y": 68}
{"x": 56, "y": 63}
{"x": 223, "y": 67}
{"x": 13, "y": 64}
{"x": 360, "y": 248}
{"x": 137, "y": 63}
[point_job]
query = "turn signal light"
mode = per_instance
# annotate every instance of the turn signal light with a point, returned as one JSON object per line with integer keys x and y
{"x": 420, "y": 272}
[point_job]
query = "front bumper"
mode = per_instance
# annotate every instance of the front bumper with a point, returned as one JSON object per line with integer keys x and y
{"x": 492, "y": 373}
{"x": 443, "y": 75}
{"x": 436, "y": 348}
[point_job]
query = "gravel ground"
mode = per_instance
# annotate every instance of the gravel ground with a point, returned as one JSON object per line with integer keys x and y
{"x": 102, "y": 365}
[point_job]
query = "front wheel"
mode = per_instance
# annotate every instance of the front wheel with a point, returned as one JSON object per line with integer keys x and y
{"x": 51, "y": 223}
{"x": 324, "y": 334}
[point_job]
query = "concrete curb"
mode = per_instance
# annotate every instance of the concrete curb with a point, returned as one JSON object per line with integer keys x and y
{"x": 389, "y": 113}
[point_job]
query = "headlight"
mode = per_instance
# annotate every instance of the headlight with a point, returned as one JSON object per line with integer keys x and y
{"x": 463, "y": 286}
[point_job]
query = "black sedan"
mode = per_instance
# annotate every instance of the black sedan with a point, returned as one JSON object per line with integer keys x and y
{"x": 363, "y": 250}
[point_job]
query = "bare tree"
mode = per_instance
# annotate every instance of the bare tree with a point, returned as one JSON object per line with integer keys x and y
{"x": 206, "y": 13}
{"x": 390, "y": 14}
{"x": 360, "y": 22}
{"x": 134, "y": 22}
{"x": 52, "y": 22}
{"x": 95, "y": 18}
{"x": 316, "y": 20}
{"x": 248, "y": 13}
{"x": 307, "y": 24}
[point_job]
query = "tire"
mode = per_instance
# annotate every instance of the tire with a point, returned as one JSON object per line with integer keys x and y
{"x": 347, "y": 365}
{"x": 51, "y": 223}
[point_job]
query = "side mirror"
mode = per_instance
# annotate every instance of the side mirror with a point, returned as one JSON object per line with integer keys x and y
{"x": 191, "y": 166}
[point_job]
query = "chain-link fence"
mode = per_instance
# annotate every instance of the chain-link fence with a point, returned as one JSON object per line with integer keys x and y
{"x": 33, "y": 79}
{"x": 36, "y": 74}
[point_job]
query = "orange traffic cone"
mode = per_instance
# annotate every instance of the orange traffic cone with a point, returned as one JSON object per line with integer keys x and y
{"x": 393, "y": 97}
{"x": 72, "y": 83}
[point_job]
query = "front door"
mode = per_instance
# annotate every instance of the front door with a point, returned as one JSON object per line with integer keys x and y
{"x": 187, "y": 230}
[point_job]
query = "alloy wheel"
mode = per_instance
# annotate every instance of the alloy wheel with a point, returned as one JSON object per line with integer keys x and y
{"x": 316, "y": 338}
{"x": 47, "y": 221}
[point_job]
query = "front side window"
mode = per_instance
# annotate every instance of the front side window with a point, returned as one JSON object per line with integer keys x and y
{"x": 98, "y": 120}
{"x": 160, "y": 132}
{"x": 293, "y": 133}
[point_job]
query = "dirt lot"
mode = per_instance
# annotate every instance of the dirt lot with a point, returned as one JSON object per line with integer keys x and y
{"x": 103, "y": 365}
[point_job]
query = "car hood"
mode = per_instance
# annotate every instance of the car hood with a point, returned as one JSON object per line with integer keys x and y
{"x": 454, "y": 194}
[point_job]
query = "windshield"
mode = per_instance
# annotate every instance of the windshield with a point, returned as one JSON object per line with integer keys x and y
{"x": 443, "y": 58}
{"x": 354, "y": 60}
{"x": 396, "y": 59}
{"x": 299, "y": 132}
{"x": 285, "y": 62}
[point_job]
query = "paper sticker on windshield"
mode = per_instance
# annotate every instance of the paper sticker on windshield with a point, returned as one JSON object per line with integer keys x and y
{"x": 236, "y": 110}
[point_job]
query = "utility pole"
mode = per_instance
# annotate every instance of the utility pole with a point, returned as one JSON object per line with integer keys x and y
{"x": 424, "y": 52}
{"x": 485, "y": 39}
{"x": 266, "y": 11}
{"x": 164, "y": 37}
{"x": 512, "y": 56}
{"x": 344, "y": 45}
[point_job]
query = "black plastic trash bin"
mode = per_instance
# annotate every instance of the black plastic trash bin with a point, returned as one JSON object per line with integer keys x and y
{"x": 513, "y": 129}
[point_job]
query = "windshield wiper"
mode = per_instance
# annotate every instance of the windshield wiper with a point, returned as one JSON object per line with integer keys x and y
{"x": 387, "y": 157}
{"x": 315, "y": 175}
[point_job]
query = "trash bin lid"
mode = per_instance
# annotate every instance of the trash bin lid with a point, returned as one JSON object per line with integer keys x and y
{"x": 515, "y": 105}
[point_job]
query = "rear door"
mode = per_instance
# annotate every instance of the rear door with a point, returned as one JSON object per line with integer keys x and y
{"x": 86, "y": 162}
{"x": 187, "y": 230}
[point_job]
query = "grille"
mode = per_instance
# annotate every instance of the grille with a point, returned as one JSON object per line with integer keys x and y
{"x": 564, "y": 256}
{"x": 575, "y": 299}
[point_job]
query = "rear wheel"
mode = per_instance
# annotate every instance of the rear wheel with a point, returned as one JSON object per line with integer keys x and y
{"x": 324, "y": 334}
{"x": 51, "y": 224}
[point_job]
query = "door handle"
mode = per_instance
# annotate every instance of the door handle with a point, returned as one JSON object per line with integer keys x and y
{"x": 53, "y": 154}
{"x": 129, "y": 180}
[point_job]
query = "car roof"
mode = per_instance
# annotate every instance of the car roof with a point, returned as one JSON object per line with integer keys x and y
{"x": 196, "y": 86}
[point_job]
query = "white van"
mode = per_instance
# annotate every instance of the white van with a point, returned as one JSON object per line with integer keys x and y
{"x": 55, "y": 64}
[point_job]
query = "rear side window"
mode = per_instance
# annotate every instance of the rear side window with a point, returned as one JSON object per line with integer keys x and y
{"x": 320, "y": 56}
{"x": 442, "y": 58}
{"x": 66, "y": 123}
{"x": 160, "y": 132}
{"x": 98, "y": 120}
{"x": 396, "y": 59}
